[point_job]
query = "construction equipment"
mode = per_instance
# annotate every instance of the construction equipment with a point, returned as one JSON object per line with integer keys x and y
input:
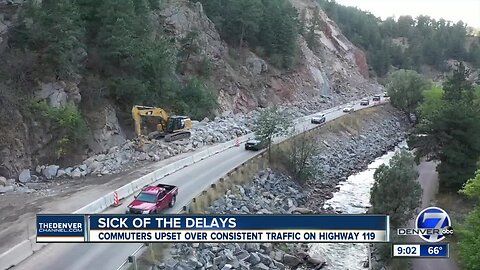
{"x": 172, "y": 128}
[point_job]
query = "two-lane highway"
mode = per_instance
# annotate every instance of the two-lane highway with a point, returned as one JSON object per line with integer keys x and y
{"x": 191, "y": 181}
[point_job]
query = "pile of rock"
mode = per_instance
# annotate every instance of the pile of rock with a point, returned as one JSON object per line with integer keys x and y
{"x": 268, "y": 193}
{"x": 223, "y": 128}
{"x": 27, "y": 183}
{"x": 246, "y": 256}
{"x": 345, "y": 154}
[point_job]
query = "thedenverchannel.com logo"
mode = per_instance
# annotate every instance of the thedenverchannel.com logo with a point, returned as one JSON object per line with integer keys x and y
{"x": 432, "y": 225}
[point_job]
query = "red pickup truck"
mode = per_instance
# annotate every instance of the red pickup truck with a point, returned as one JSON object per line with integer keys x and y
{"x": 153, "y": 199}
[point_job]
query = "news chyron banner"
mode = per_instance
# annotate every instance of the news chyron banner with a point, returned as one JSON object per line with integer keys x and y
{"x": 212, "y": 228}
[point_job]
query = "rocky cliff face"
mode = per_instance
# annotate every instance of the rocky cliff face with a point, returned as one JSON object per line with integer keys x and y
{"x": 335, "y": 72}
{"x": 336, "y": 69}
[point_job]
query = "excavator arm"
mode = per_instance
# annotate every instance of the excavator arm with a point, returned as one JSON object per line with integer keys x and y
{"x": 139, "y": 111}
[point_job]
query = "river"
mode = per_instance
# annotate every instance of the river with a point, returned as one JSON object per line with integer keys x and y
{"x": 352, "y": 198}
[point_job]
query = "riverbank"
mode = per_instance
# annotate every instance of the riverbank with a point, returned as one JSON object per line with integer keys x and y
{"x": 349, "y": 144}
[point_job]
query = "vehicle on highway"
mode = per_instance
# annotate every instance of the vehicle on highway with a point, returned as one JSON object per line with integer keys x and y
{"x": 376, "y": 98}
{"x": 364, "y": 102}
{"x": 385, "y": 94}
{"x": 153, "y": 199}
{"x": 255, "y": 144}
{"x": 318, "y": 119}
{"x": 348, "y": 109}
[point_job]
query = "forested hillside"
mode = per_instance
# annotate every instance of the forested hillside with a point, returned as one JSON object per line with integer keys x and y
{"x": 111, "y": 43}
{"x": 405, "y": 42}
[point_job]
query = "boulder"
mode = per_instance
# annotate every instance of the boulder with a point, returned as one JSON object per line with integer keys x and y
{"x": 242, "y": 255}
{"x": 3, "y": 181}
{"x": 39, "y": 169}
{"x": 54, "y": 93}
{"x": 50, "y": 171}
{"x": 76, "y": 173}
{"x": 316, "y": 261}
{"x": 254, "y": 258}
{"x": 36, "y": 186}
{"x": 260, "y": 266}
{"x": 256, "y": 65}
{"x": 227, "y": 267}
{"x": 193, "y": 262}
{"x": 279, "y": 265}
{"x": 61, "y": 173}
{"x": 291, "y": 260}
{"x": 252, "y": 247}
{"x": 265, "y": 259}
{"x": 5, "y": 189}
{"x": 25, "y": 176}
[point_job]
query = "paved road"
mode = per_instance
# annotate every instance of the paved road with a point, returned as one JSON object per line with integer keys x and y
{"x": 190, "y": 180}
{"x": 428, "y": 179}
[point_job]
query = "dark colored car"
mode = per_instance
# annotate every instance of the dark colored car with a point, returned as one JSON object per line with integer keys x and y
{"x": 376, "y": 98}
{"x": 255, "y": 144}
{"x": 318, "y": 119}
{"x": 153, "y": 199}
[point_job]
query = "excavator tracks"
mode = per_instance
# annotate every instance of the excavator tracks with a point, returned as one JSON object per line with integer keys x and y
{"x": 177, "y": 136}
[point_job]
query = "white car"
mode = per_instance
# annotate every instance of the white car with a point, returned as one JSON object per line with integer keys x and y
{"x": 318, "y": 119}
{"x": 348, "y": 109}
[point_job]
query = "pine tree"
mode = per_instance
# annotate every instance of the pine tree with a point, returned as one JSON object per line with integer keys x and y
{"x": 65, "y": 33}
{"x": 452, "y": 133}
{"x": 311, "y": 38}
{"x": 117, "y": 38}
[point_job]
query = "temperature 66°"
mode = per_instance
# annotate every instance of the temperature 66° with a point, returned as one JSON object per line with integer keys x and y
{"x": 368, "y": 236}
{"x": 434, "y": 250}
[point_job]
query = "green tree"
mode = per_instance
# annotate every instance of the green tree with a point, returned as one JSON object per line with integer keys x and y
{"x": 432, "y": 102}
{"x": 299, "y": 159}
{"x": 241, "y": 21}
{"x": 188, "y": 46}
{"x": 451, "y": 133}
{"x": 405, "y": 88}
{"x": 197, "y": 100}
{"x": 311, "y": 38}
{"x": 55, "y": 29}
{"x": 397, "y": 182}
{"x": 474, "y": 54}
{"x": 469, "y": 232}
{"x": 140, "y": 66}
{"x": 271, "y": 26}
{"x": 68, "y": 124}
{"x": 271, "y": 123}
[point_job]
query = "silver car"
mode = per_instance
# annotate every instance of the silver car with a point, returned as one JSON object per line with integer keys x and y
{"x": 348, "y": 109}
{"x": 318, "y": 119}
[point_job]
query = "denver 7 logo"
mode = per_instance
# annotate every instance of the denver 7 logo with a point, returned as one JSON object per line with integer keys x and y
{"x": 437, "y": 219}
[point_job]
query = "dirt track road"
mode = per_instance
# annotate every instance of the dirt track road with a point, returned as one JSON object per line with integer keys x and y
{"x": 428, "y": 179}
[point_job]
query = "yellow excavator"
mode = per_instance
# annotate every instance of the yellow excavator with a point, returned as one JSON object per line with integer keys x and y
{"x": 172, "y": 128}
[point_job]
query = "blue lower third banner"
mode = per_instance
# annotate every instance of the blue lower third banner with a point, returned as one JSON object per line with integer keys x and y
{"x": 236, "y": 228}
{"x": 61, "y": 228}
